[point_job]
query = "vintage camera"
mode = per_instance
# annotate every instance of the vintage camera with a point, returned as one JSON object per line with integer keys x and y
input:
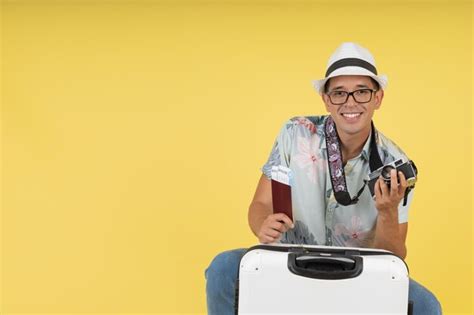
{"x": 407, "y": 168}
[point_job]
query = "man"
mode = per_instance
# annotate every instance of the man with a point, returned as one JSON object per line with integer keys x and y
{"x": 331, "y": 205}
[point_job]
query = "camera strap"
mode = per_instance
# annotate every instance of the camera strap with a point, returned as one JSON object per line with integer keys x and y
{"x": 336, "y": 168}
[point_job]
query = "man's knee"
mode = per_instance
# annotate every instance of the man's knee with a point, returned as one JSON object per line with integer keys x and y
{"x": 225, "y": 264}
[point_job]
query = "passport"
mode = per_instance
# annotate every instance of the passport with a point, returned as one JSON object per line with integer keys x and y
{"x": 281, "y": 190}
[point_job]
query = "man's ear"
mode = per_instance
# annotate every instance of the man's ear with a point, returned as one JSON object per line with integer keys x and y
{"x": 325, "y": 99}
{"x": 378, "y": 98}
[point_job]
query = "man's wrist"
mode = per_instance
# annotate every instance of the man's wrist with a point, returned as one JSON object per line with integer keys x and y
{"x": 389, "y": 215}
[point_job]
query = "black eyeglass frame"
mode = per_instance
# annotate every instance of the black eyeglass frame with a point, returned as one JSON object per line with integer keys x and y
{"x": 351, "y": 94}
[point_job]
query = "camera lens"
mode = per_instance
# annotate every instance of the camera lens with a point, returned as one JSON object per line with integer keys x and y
{"x": 386, "y": 171}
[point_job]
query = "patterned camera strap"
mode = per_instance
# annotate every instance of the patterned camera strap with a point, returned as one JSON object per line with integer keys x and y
{"x": 336, "y": 169}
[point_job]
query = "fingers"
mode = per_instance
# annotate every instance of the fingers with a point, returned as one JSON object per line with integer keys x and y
{"x": 268, "y": 235}
{"x": 383, "y": 187}
{"x": 403, "y": 184}
{"x": 273, "y": 227}
{"x": 279, "y": 226}
{"x": 387, "y": 198}
{"x": 271, "y": 233}
{"x": 397, "y": 188}
{"x": 266, "y": 239}
{"x": 393, "y": 183}
{"x": 378, "y": 190}
{"x": 286, "y": 220}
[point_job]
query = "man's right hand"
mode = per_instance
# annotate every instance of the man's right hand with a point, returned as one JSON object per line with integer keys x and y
{"x": 273, "y": 226}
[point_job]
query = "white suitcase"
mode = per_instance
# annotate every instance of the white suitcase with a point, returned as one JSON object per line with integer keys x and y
{"x": 293, "y": 279}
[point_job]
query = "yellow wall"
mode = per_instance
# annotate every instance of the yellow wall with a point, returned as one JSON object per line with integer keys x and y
{"x": 133, "y": 134}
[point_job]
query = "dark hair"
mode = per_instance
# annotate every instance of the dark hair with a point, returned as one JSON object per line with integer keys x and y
{"x": 375, "y": 83}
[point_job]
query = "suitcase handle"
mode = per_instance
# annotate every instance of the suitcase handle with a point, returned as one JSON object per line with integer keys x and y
{"x": 325, "y": 267}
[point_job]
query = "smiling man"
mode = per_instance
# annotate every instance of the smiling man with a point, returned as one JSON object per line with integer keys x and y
{"x": 330, "y": 159}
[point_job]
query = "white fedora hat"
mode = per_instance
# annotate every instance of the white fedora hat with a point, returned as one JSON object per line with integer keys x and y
{"x": 351, "y": 59}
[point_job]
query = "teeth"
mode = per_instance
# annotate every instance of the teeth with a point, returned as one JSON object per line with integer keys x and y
{"x": 350, "y": 115}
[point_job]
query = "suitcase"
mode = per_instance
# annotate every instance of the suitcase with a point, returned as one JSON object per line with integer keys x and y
{"x": 295, "y": 279}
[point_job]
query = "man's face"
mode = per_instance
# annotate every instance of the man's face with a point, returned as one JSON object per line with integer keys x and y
{"x": 351, "y": 117}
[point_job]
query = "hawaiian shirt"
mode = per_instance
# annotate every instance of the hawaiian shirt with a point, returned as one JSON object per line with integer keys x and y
{"x": 318, "y": 218}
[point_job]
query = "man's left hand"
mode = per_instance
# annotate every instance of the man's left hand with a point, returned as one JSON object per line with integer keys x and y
{"x": 387, "y": 198}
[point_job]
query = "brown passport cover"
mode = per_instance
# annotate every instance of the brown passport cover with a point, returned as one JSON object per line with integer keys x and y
{"x": 281, "y": 198}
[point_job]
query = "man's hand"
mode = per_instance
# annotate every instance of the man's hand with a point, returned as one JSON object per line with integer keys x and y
{"x": 273, "y": 226}
{"x": 387, "y": 199}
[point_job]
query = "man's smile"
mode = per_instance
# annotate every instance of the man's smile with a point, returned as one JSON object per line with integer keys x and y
{"x": 351, "y": 116}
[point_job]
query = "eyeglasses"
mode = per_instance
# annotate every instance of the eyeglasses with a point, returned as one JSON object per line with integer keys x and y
{"x": 360, "y": 96}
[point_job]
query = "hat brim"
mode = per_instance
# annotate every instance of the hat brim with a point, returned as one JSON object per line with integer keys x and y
{"x": 382, "y": 79}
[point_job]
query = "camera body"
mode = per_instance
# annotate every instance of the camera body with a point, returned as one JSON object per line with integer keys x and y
{"x": 407, "y": 168}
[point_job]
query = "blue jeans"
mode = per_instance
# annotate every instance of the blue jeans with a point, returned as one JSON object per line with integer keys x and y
{"x": 221, "y": 276}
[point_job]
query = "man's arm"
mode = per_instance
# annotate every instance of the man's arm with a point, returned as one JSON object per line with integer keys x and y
{"x": 389, "y": 234}
{"x": 267, "y": 226}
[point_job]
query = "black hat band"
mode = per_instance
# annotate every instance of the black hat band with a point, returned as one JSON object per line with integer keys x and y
{"x": 347, "y": 62}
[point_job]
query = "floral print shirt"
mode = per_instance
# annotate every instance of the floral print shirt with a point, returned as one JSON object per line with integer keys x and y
{"x": 318, "y": 218}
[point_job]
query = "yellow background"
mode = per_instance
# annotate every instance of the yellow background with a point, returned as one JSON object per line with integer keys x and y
{"x": 133, "y": 133}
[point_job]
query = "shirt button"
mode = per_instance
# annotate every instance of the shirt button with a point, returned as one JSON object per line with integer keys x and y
{"x": 348, "y": 168}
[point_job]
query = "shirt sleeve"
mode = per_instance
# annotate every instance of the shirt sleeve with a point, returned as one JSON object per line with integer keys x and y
{"x": 403, "y": 210}
{"x": 281, "y": 150}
